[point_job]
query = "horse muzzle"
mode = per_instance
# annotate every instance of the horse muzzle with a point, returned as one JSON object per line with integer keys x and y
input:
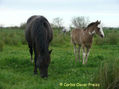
{"x": 102, "y": 36}
{"x": 44, "y": 73}
{"x": 43, "y": 76}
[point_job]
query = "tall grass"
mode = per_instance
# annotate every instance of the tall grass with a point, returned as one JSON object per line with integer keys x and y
{"x": 1, "y": 45}
{"x": 12, "y": 36}
{"x": 108, "y": 75}
{"x": 16, "y": 70}
{"x": 16, "y": 37}
{"x": 60, "y": 39}
{"x": 111, "y": 38}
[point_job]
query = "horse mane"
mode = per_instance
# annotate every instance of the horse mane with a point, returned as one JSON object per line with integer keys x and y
{"x": 89, "y": 26}
{"x": 40, "y": 26}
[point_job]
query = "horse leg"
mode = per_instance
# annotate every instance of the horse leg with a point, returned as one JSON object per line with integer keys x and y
{"x": 84, "y": 54}
{"x": 75, "y": 52}
{"x": 31, "y": 52}
{"x": 79, "y": 53}
{"x": 87, "y": 53}
{"x": 35, "y": 60}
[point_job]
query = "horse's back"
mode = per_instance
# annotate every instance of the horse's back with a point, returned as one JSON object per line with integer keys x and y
{"x": 76, "y": 35}
{"x": 31, "y": 27}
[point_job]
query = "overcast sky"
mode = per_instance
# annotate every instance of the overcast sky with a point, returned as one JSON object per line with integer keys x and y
{"x": 15, "y": 12}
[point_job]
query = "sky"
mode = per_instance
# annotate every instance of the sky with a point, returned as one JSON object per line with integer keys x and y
{"x": 15, "y": 12}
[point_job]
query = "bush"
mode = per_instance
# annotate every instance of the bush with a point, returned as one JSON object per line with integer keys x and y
{"x": 22, "y": 26}
{"x": 108, "y": 75}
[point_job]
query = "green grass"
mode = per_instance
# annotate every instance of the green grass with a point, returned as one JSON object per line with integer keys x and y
{"x": 16, "y": 70}
{"x": 107, "y": 75}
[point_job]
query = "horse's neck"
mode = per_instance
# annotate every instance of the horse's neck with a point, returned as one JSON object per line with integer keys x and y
{"x": 88, "y": 34}
{"x": 91, "y": 28}
{"x": 91, "y": 31}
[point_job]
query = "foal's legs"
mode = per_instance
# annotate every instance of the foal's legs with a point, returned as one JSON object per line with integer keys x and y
{"x": 84, "y": 54}
{"x": 31, "y": 52}
{"x": 79, "y": 52}
{"x": 87, "y": 53}
{"x": 75, "y": 51}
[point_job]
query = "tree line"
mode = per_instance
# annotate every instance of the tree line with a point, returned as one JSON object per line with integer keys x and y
{"x": 57, "y": 23}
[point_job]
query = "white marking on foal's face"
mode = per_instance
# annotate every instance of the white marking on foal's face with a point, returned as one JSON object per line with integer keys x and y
{"x": 101, "y": 30}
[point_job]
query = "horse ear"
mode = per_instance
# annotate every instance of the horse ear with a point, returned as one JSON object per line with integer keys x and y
{"x": 100, "y": 21}
{"x": 50, "y": 51}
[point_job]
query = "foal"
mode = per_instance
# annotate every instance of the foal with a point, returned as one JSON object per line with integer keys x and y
{"x": 84, "y": 38}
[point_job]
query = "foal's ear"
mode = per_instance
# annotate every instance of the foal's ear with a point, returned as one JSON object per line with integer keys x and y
{"x": 50, "y": 51}
{"x": 98, "y": 22}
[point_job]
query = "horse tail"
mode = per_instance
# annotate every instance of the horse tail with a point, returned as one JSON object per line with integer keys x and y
{"x": 49, "y": 29}
{"x": 40, "y": 34}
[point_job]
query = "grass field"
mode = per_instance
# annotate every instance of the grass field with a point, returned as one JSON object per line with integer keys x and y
{"x": 16, "y": 69}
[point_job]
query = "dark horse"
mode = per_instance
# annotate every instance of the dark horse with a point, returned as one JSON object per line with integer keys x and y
{"x": 39, "y": 34}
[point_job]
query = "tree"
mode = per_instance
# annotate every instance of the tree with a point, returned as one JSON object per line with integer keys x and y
{"x": 1, "y": 25}
{"x": 57, "y": 22}
{"x": 22, "y": 25}
{"x": 80, "y": 22}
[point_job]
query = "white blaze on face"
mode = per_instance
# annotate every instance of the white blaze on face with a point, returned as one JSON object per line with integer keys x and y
{"x": 101, "y": 30}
